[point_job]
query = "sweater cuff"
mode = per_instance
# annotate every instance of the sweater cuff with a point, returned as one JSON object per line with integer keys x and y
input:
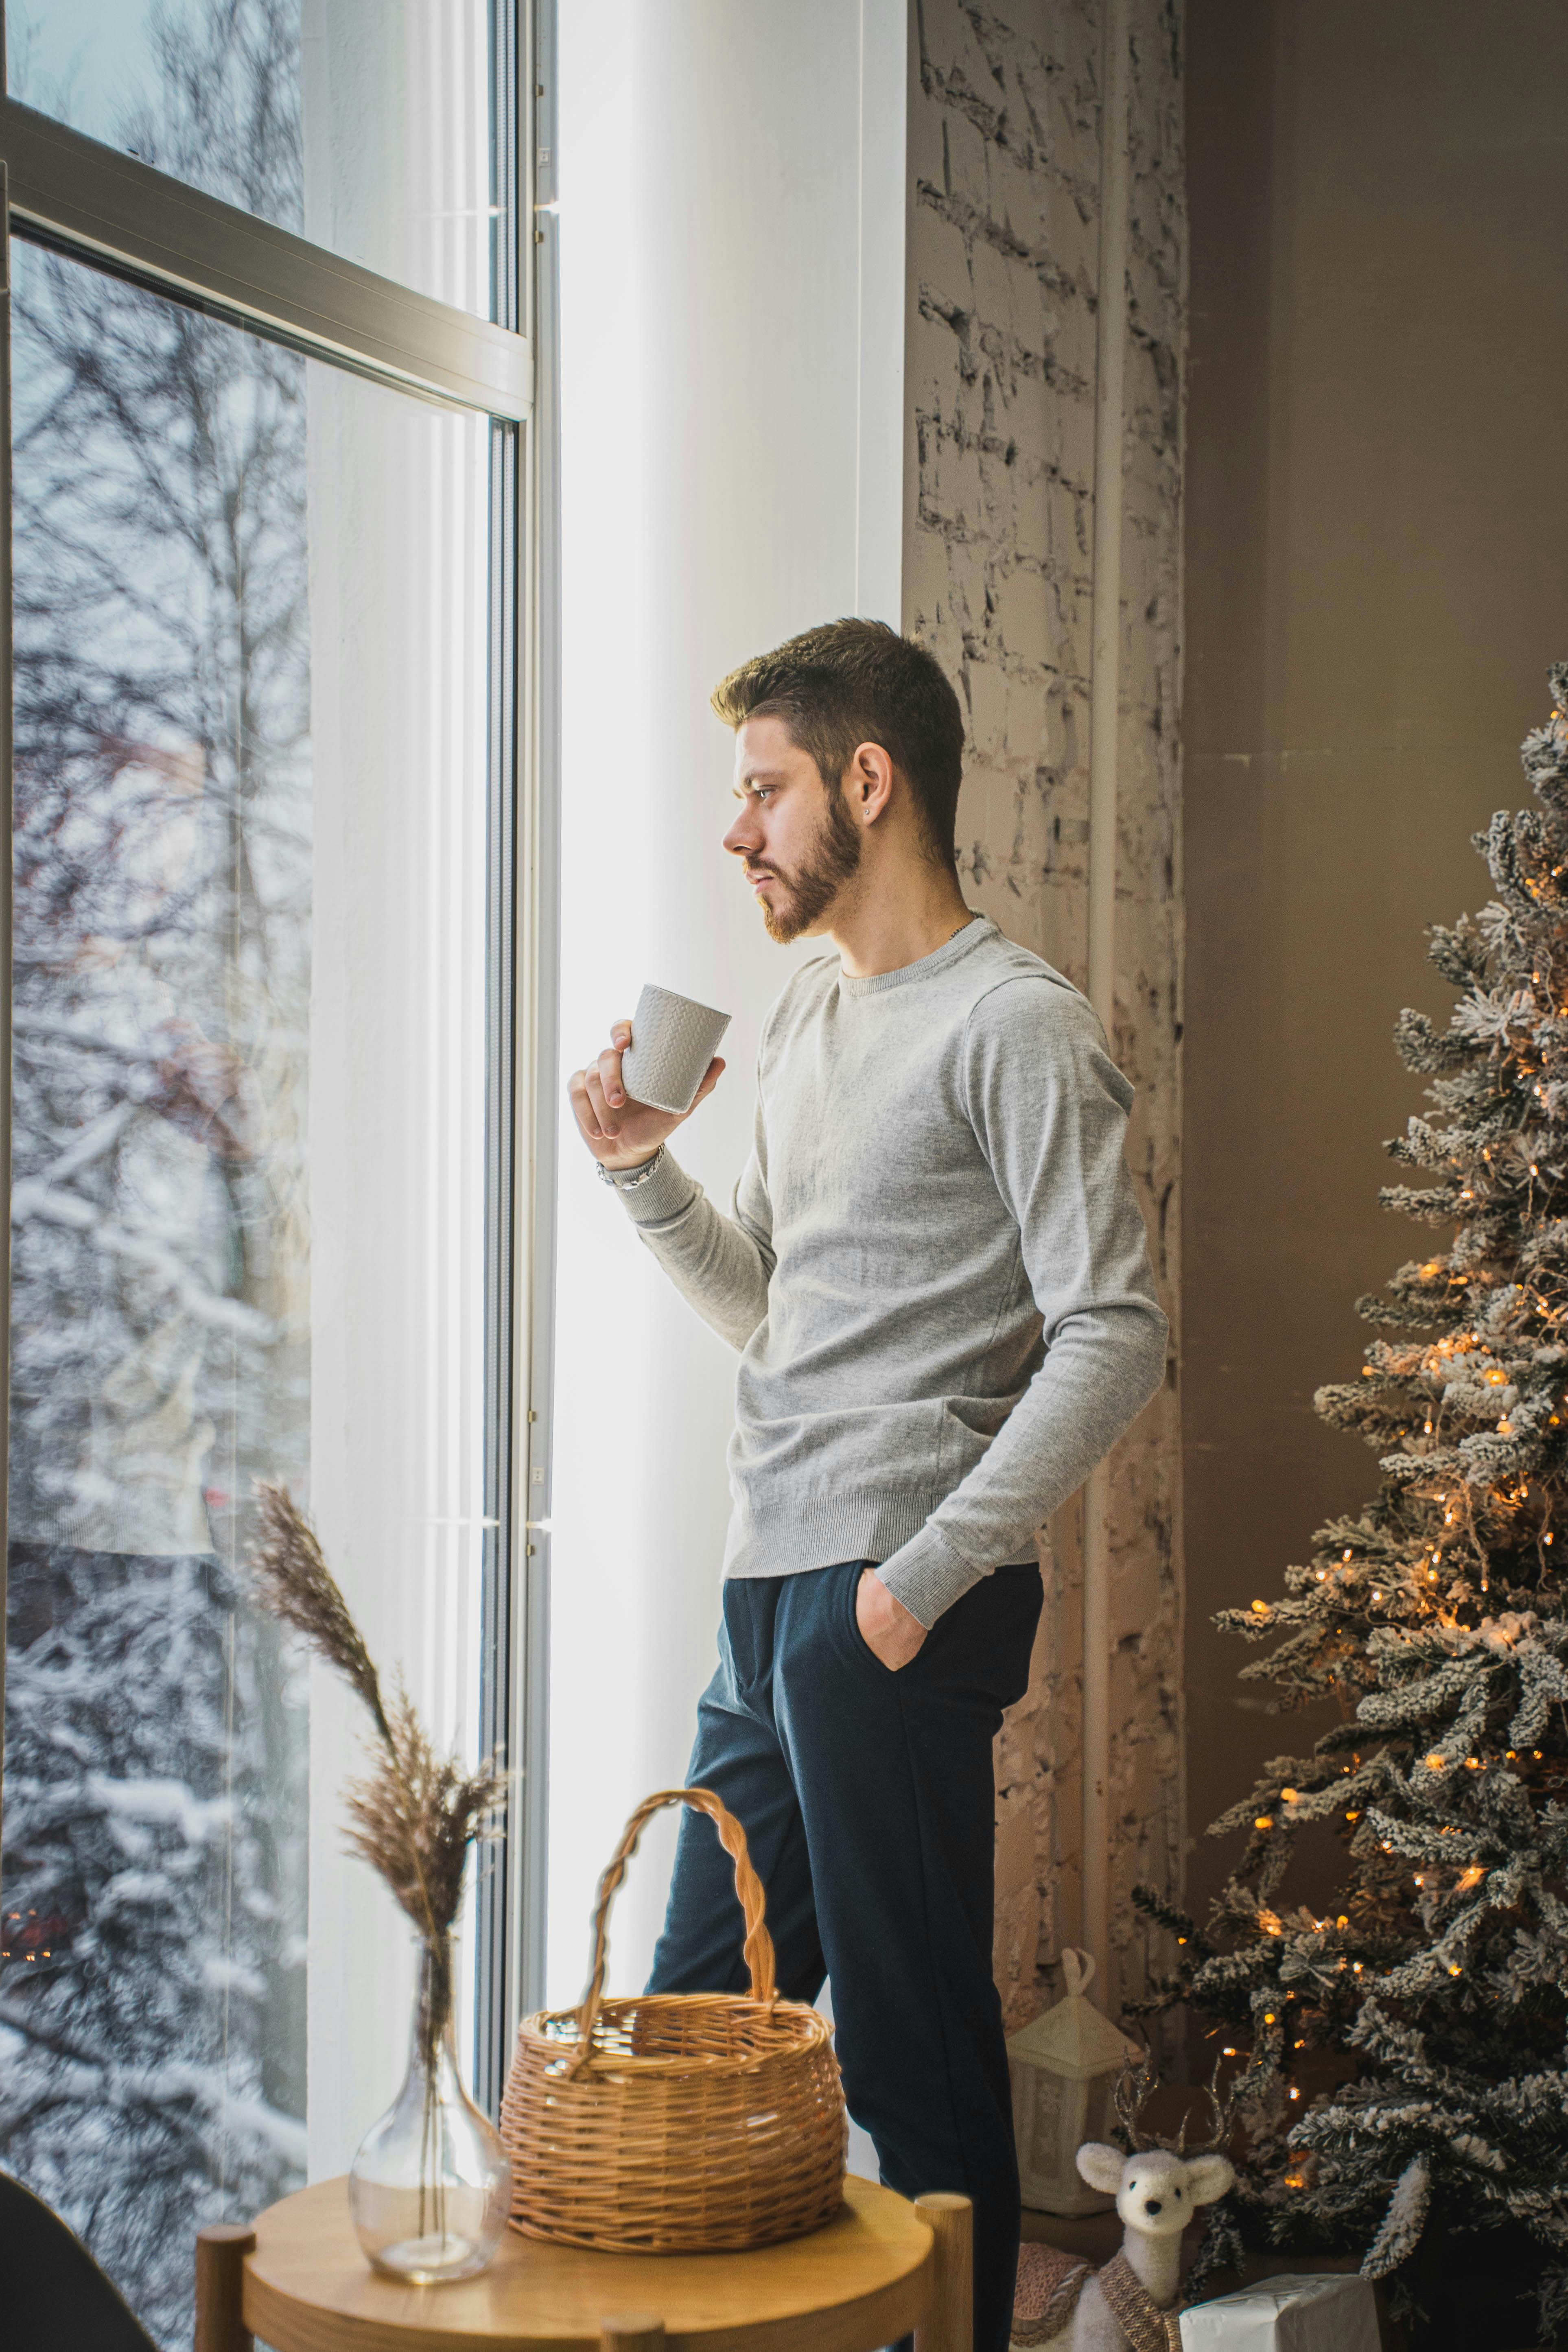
{"x": 928, "y": 1576}
{"x": 668, "y": 1193}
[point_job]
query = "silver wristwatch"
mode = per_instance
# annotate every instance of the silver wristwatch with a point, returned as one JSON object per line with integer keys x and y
{"x": 622, "y": 1181}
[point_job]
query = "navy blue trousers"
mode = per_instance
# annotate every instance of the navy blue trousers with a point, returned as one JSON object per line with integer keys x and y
{"x": 868, "y": 1800}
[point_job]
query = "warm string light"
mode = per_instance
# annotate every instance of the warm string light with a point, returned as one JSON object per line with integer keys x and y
{"x": 15, "y": 1920}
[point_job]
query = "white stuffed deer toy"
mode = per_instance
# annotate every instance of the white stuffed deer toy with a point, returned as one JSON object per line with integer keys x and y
{"x": 1130, "y": 2305}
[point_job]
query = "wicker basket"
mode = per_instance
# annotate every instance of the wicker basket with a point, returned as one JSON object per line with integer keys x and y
{"x": 677, "y": 2123}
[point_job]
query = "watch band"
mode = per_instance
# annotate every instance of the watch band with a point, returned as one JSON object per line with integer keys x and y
{"x": 625, "y": 1181}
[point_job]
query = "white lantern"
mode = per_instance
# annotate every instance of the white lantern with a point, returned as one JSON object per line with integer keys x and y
{"x": 1065, "y": 2069}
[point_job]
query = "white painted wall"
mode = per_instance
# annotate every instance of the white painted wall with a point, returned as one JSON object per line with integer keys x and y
{"x": 732, "y": 195}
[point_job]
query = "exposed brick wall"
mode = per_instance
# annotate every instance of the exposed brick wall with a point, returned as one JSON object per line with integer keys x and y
{"x": 998, "y": 580}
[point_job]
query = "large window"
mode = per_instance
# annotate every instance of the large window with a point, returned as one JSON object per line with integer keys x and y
{"x": 265, "y": 960}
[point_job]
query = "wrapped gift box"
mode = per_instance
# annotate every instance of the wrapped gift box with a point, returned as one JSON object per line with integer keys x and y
{"x": 1336, "y": 2314}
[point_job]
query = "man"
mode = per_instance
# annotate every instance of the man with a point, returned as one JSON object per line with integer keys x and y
{"x": 937, "y": 1278}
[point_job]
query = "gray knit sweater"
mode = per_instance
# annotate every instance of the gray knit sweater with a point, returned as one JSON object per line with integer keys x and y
{"x": 936, "y": 1272}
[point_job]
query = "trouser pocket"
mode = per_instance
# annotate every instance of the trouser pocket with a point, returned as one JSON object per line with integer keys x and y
{"x": 848, "y": 1606}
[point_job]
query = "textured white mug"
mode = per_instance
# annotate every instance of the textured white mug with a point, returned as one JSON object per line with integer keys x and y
{"x": 673, "y": 1041}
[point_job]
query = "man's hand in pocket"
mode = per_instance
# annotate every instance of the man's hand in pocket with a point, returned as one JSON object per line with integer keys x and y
{"x": 887, "y": 1629}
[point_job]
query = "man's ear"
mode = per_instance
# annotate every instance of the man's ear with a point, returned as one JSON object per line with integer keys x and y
{"x": 1210, "y": 2178}
{"x": 1101, "y": 2165}
{"x": 869, "y": 781}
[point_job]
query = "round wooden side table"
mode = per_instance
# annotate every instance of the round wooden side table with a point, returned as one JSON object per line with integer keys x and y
{"x": 299, "y": 2280}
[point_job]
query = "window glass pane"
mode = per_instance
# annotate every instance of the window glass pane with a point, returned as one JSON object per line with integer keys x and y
{"x": 364, "y": 125}
{"x": 249, "y": 1219}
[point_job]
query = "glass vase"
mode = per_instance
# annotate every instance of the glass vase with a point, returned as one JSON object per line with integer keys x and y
{"x": 430, "y": 2187}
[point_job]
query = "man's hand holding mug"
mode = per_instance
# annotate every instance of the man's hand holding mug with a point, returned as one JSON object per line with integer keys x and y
{"x": 619, "y": 1132}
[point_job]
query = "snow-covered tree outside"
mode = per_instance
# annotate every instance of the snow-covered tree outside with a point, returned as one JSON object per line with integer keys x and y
{"x": 152, "y": 1996}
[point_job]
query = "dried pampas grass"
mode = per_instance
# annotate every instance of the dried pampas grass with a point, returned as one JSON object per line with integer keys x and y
{"x": 294, "y": 1582}
{"x": 416, "y": 1813}
{"x": 416, "y": 1816}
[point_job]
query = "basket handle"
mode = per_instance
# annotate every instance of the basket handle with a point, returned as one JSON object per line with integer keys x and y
{"x": 759, "y": 1944}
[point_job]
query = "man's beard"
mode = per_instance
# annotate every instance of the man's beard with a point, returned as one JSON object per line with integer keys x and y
{"x": 832, "y": 860}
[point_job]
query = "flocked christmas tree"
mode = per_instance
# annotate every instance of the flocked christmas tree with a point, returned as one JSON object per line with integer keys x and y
{"x": 1438, "y": 1619}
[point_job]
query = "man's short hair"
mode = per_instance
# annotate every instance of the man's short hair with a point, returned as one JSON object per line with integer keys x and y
{"x": 851, "y": 682}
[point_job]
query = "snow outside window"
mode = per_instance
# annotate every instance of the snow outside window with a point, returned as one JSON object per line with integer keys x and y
{"x": 251, "y": 985}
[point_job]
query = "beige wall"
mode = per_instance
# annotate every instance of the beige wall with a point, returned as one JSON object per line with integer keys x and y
{"x": 1377, "y": 530}
{"x": 1005, "y": 164}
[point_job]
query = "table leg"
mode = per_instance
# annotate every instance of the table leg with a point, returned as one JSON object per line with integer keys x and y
{"x": 631, "y": 2331}
{"x": 949, "y": 2322}
{"x": 221, "y": 2251}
